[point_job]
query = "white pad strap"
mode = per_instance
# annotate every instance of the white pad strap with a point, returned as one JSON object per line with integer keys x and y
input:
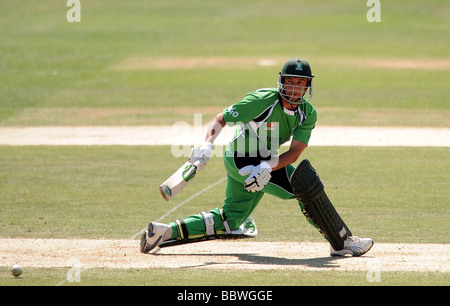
{"x": 225, "y": 222}
{"x": 209, "y": 223}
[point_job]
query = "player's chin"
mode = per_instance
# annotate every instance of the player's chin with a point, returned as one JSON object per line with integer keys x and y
{"x": 295, "y": 100}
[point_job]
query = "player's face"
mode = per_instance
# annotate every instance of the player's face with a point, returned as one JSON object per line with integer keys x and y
{"x": 295, "y": 87}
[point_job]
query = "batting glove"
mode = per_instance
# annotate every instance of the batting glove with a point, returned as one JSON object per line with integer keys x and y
{"x": 201, "y": 153}
{"x": 258, "y": 176}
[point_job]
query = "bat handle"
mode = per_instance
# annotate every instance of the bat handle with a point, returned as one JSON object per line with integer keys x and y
{"x": 197, "y": 163}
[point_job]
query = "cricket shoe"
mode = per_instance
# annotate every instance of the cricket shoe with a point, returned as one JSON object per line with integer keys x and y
{"x": 353, "y": 246}
{"x": 155, "y": 234}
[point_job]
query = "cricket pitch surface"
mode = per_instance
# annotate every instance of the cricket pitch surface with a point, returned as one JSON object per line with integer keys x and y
{"x": 221, "y": 254}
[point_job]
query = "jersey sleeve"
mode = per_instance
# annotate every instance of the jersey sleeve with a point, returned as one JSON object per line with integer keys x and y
{"x": 303, "y": 132}
{"x": 247, "y": 109}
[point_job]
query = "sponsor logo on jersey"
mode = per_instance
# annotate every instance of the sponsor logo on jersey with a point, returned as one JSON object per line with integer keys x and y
{"x": 271, "y": 126}
{"x": 232, "y": 112}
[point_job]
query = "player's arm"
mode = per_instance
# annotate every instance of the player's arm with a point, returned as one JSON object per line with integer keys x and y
{"x": 201, "y": 154}
{"x": 288, "y": 157}
{"x": 214, "y": 128}
{"x": 197, "y": 161}
{"x": 298, "y": 144}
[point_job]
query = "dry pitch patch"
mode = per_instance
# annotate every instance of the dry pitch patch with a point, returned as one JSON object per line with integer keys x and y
{"x": 221, "y": 254}
{"x": 157, "y": 63}
{"x": 185, "y": 134}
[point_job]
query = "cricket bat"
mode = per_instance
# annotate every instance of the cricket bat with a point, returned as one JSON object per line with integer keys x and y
{"x": 180, "y": 179}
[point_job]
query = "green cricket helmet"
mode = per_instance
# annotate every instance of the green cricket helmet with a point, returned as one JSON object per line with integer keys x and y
{"x": 296, "y": 67}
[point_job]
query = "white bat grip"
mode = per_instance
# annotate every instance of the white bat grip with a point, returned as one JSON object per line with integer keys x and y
{"x": 197, "y": 163}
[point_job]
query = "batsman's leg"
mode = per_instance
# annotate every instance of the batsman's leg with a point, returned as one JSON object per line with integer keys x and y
{"x": 309, "y": 191}
{"x": 232, "y": 221}
{"x": 280, "y": 186}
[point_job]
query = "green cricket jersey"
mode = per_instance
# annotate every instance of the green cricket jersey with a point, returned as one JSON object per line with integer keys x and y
{"x": 264, "y": 125}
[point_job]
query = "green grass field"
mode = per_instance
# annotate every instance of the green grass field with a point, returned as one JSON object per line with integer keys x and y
{"x": 112, "y": 192}
{"x": 56, "y": 72}
{"x": 102, "y": 71}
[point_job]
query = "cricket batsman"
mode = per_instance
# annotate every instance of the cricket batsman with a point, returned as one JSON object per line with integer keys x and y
{"x": 266, "y": 119}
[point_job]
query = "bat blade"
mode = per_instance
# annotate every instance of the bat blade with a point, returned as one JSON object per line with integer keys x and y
{"x": 179, "y": 180}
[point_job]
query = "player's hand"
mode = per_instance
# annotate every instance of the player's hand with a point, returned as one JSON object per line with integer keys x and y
{"x": 258, "y": 176}
{"x": 201, "y": 153}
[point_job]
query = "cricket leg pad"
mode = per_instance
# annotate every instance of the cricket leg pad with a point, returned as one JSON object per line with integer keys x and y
{"x": 309, "y": 190}
{"x": 246, "y": 230}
